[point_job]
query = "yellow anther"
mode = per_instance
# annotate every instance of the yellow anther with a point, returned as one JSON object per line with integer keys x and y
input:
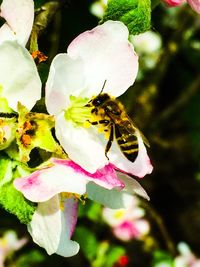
{"x": 119, "y": 214}
{"x": 65, "y": 195}
{"x": 86, "y": 124}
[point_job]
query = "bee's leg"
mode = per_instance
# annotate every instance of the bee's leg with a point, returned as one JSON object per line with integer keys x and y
{"x": 110, "y": 140}
{"x": 93, "y": 122}
{"x": 104, "y": 122}
{"x": 95, "y": 111}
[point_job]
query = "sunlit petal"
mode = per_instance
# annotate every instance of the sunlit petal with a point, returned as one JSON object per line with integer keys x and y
{"x": 51, "y": 227}
{"x": 140, "y": 167}
{"x": 107, "y": 55}
{"x": 19, "y": 78}
{"x": 19, "y": 15}
{"x": 44, "y": 184}
{"x": 82, "y": 145}
{"x": 66, "y": 78}
{"x": 64, "y": 176}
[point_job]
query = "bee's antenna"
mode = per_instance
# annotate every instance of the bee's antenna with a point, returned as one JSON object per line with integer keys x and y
{"x": 103, "y": 87}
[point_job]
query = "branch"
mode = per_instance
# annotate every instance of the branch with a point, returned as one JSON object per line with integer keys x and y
{"x": 42, "y": 19}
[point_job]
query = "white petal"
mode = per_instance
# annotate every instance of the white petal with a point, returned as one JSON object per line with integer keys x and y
{"x": 113, "y": 198}
{"x": 107, "y": 55}
{"x": 132, "y": 186}
{"x": 18, "y": 76}
{"x": 65, "y": 79}
{"x": 19, "y": 15}
{"x": 140, "y": 167}
{"x": 82, "y": 145}
{"x": 51, "y": 228}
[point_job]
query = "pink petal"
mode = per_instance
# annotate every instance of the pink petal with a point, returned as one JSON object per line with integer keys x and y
{"x": 173, "y": 3}
{"x": 105, "y": 177}
{"x": 51, "y": 227}
{"x": 43, "y": 184}
{"x": 70, "y": 214}
{"x": 126, "y": 231}
{"x": 64, "y": 176}
{"x": 107, "y": 55}
{"x": 140, "y": 167}
{"x": 195, "y": 5}
{"x": 19, "y": 15}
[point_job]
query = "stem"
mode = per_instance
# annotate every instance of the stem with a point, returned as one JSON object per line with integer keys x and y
{"x": 154, "y": 3}
{"x": 42, "y": 19}
{"x": 162, "y": 228}
{"x": 181, "y": 101}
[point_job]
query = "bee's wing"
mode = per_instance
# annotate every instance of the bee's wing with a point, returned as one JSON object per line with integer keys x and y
{"x": 129, "y": 127}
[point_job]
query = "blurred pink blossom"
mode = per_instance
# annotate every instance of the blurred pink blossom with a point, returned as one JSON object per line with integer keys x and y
{"x": 195, "y": 4}
{"x": 127, "y": 223}
{"x": 8, "y": 244}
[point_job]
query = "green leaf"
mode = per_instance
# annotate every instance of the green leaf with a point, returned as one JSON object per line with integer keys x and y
{"x": 87, "y": 241}
{"x": 30, "y": 259}
{"x": 11, "y": 199}
{"x": 114, "y": 254}
{"x": 162, "y": 258}
{"x": 135, "y": 14}
{"x": 91, "y": 210}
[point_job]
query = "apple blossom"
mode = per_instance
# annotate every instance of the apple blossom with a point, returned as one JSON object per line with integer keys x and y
{"x": 57, "y": 189}
{"x": 8, "y": 244}
{"x": 186, "y": 257}
{"x": 173, "y": 2}
{"x": 19, "y": 78}
{"x": 98, "y": 8}
{"x": 195, "y": 4}
{"x": 127, "y": 223}
{"x": 19, "y": 16}
{"x": 148, "y": 46}
{"x": 102, "y": 56}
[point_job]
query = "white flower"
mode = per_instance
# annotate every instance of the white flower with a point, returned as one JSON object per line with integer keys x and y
{"x": 8, "y": 244}
{"x": 98, "y": 8}
{"x": 57, "y": 189}
{"x": 147, "y": 42}
{"x": 19, "y": 79}
{"x": 102, "y": 54}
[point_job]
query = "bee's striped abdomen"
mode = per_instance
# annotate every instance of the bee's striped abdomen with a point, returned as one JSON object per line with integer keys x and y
{"x": 128, "y": 144}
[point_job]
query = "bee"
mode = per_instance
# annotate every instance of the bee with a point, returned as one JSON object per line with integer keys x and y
{"x": 111, "y": 115}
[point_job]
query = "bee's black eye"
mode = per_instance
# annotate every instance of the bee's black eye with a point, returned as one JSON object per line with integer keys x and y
{"x": 100, "y": 99}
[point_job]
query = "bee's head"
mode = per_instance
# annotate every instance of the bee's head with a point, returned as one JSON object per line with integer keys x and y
{"x": 100, "y": 99}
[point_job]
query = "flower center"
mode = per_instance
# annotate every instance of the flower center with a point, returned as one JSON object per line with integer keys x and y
{"x": 78, "y": 112}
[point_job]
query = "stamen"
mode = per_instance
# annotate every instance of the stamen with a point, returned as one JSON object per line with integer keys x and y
{"x": 77, "y": 197}
{"x": 78, "y": 112}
